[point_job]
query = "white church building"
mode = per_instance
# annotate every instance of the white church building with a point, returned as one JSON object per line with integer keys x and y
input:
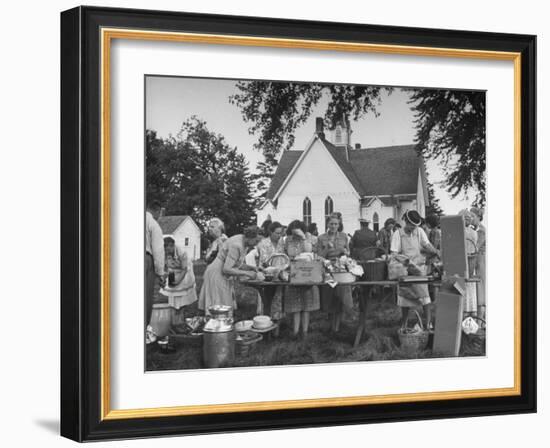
{"x": 331, "y": 175}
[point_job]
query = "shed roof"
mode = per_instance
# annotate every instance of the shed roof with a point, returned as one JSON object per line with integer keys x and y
{"x": 169, "y": 224}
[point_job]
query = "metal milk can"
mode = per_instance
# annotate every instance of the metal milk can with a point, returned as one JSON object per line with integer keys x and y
{"x": 219, "y": 338}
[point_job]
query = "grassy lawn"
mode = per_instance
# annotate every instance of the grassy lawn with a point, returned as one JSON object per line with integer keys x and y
{"x": 320, "y": 345}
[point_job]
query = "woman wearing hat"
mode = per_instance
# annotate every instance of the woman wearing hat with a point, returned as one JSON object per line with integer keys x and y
{"x": 412, "y": 242}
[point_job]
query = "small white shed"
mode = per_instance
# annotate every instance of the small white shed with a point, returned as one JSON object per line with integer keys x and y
{"x": 185, "y": 231}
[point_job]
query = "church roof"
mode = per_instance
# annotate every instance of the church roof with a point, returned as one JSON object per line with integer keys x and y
{"x": 388, "y": 170}
{"x": 287, "y": 162}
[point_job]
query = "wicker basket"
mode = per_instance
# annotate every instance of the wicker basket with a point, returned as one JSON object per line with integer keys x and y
{"x": 280, "y": 261}
{"x": 413, "y": 342}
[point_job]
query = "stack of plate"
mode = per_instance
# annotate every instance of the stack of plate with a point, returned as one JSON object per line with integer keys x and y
{"x": 243, "y": 325}
{"x": 262, "y": 322}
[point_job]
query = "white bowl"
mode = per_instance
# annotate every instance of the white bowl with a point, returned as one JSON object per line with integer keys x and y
{"x": 243, "y": 325}
{"x": 261, "y": 322}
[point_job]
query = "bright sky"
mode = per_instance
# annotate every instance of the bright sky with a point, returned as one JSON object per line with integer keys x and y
{"x": 172, "y": 100}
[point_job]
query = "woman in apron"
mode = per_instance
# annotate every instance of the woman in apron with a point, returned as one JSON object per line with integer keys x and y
{"x": 411, "y": 241}
{"x": 180, "y": 289}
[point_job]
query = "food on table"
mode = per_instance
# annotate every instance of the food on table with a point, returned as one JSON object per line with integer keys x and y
{"x": 262, "y": 322}
{"x": 344, "y": 264}
{"x": 271, "y": 272}
{"x": 243, "y": 325}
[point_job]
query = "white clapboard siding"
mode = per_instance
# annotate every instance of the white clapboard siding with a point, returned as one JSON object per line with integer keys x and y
{"x": 317, "y": 177}
{"x": 188, "y": 238}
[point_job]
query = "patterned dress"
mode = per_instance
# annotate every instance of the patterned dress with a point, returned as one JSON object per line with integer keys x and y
{"x": 219, "y": 288}
{"x": 338, "y": 299}
{"x": 266, "y": 249}
{"x": 299, "y": 298}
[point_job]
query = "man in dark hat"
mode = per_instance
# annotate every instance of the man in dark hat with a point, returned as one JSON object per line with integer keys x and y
{"x": 364, "y": 242}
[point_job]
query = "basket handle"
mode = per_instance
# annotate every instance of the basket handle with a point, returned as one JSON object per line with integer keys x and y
{"x": 476, "y": 318}
{"x": 419, "y": 320}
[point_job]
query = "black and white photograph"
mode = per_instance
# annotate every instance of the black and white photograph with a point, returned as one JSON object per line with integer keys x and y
{"x": 293, "y": 223}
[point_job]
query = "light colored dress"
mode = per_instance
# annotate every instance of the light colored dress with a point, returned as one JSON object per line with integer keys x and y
{"x": 412, "y": 246}
{"x": 219, "y": 288}
{"x": 299, "y": 298}
{"x": 213, "y": 249}
{"x": 481, "y": 263}
{"x": 470, "y": 299}
{"x": 184, "y": 292}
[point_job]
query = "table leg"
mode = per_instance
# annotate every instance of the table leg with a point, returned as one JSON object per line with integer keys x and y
{"x": 362, "y": 315}
{"x": 360, "y": 330}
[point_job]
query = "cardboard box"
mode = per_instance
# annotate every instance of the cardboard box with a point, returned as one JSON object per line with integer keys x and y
{"x": 448, "y": 322}
{"x": 306, "y": 271}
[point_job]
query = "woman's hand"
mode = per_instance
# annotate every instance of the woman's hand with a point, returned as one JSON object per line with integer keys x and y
{"x": 252, "y": 275}
{"x": 161, "y": 279}
{"x": 299, "y": 233}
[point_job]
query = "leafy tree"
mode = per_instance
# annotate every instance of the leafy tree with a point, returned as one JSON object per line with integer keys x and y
{"x": 197, "y": 173}
{"x": 450, "y": 126}
{"x": 276, "y": 109}
{"x": 433, "y": 208}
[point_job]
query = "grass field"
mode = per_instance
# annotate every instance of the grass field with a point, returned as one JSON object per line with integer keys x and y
{"x": 320, "y": 345}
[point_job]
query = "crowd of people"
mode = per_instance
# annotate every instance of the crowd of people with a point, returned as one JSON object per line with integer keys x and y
{"x": 244, "y": 256}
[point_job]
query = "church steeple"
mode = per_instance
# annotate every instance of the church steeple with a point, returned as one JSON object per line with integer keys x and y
{"x": 341, "y": 136}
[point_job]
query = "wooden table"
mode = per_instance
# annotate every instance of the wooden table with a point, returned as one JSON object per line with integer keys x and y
{"x": 364, "y": 296}
{"x": 362, "y": 300}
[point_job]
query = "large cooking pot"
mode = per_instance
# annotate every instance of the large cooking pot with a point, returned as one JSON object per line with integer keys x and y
{"x": 161, "y": 319}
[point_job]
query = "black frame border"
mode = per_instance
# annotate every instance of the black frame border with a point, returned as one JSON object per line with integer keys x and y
{"x": 81, "y": 223}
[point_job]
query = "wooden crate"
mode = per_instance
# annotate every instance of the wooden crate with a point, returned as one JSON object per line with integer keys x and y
{"x": 306, "y": 271}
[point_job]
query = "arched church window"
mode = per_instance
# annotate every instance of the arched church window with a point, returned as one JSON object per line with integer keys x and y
{"x": 307, "y": 211}
{"x": 375, "y": 222}
{"x": 329, "y": 207}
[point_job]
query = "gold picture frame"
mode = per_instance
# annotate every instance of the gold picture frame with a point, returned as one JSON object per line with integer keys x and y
{"x": 107, "y": 26}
